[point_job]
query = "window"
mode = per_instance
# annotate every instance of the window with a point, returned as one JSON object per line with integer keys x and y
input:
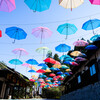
{"x": 92, "y": 70}
{"x": 79, "y": 79}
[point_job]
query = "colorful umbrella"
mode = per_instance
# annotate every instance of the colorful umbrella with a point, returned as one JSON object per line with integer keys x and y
{"x": 41, "y": 32}
{"x": 80, "y": 43}
{"x": 51, "y": 60}
{"x": 80, "y": 59}
{"x": 44, "y": 66}
{"x": 38, "y": 5}
{"x": 48, "y": 70}
{"x": 0, "y": 33}
{"x": 26, "y": 65}
{"x": 67, "y": 29}
{"x": 16, "y": 33}
{"x": 42, "y": 50}
{"x": 95, "y": 38}
{"x": 52, "y": 75}
{"x": 64, "y": 56}
{"x": 64, "y": 67}
{"x": 62, "y": 48}
{"x": 32, "y": 62}
{"x": 20, "y": 51}
{"x": 40, "y": 71}
{"x": 91, "y": 24}
{"x": 91, "y": 47}
{"x": 76, "y": 53}
{"x": 70, "y": 3}
{"x": 15, "y": 62}
{"x": 34, "y": 76}
{"x": 32, "y": 71}
{"x": 60, "y": 73}
{"x": 56, "y": 66}
{"x": 32, "y": 80}
{"x": 7, "y": 5}
{"x": 95, "y": 2}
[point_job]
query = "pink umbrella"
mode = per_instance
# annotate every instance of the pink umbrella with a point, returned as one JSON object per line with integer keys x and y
{"x": 26, "y": 65}
{"x": 7, "y": 5}
{"x": 80, "y": 43}
{"x": 20, "y": 51}
{"x": 42, "y": 32}
{"x": 80, "y": 59}
{"x": 95, "y": 2}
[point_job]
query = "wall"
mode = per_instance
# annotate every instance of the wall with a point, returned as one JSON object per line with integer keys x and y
{"x": 90, "y": 92}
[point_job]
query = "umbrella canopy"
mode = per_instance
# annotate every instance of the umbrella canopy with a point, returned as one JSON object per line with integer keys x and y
{"x": 64, "y": 56}
{"x": 51, "y": 60}
{"x": 32, "y": 80}
{"x": 20, "y": 51}
{"x": 52, "y": 74}
{"x": 91, "y": 47}
{"x": 15, "y": 62}
{"x": 41, "y": 32}
{"x": 34, "y": 76}
{"x": 0, "y": 33}
{"x": 64, "y": 67}
{"x": 95, "y": 2}
{"x": 70, "y": 3}
{"x": 76, "y": 53}
{"x": 7, "y": 5}
{"x": 80, "y": 43}
{"x": 56, "y": 66}
{"x": 16, "y": 33}
{"x": 68, "y": 59}
{"x": 62, "y": 48}
{"x": 44, "y": 66}
{"x": 60, "y": 73}
{"x": 80, "y": 59}
{"x": 38, "y": 5}
{"x": 91, "y": 24}
{"x": 67, "y": 29}
{"x": 48, "y": 70}
{"x": 32, "y": 71}
{"x": 95, "y": 38}
{"x": 40, "y": 71}
{"x": 43, "y": 50}
{"x": 32, "y": 62}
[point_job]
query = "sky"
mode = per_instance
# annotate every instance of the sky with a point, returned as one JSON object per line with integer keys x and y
{"x": 56, "y": 15}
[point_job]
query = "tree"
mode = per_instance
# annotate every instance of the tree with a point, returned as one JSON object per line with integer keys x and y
{"x": 56, "y": 57}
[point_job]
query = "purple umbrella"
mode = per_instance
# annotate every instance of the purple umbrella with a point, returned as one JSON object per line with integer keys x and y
{"x": 42, "y": 32}
{"x": 7, "y": 5}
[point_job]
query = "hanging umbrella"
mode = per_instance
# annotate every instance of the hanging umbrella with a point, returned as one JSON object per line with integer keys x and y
{"x": 68, "y": 70}
{"x": 64, "y": 56}
{"x": 60, "y": 73}
{"x": 20, "y": 51}
{"x": 32, "y": 62}
{"x": 51, "y": 60}
{"x": 52, "y": 75}
{"x": 15, "y": 62}
{"x": 80, "y": 59}
{"x": 7, "y": 5}
{"x": 43, "y": 65}
{"x": 56, "y": 69}
{"x": 32, "y": 71}
{"x": 80, "y": 43}
{"x": 62, "y": 48}
{"x": 26, "y": 65}
{"x": 66, "y": 73}
{"x": 52, "y": 68}
{"x": 48, "y": 70}
{"x": 67, "y": 29}
{"x": 76, "y": 53}
{"x": 42, "y": 32}
{"x": 40, "y": 71}
{"x": 95, "y": 38}
{"x": 68, "y": 59}
{"x": 32, "y": 80}
{"x": 38, "y": 5}
{"x": 91, "y": 47}
{"x": 64, "y": 67}
{"x": 42, "y": 50}
{"x": 34, "y": 76}
{"x": 16, "y": 33}
{"x": 95, "y": 2}
{"x": 91, "y": 24}
{"x": 0, "y": 33}
{"x": 70, "y": 3}
{"x": 56, "y": 66}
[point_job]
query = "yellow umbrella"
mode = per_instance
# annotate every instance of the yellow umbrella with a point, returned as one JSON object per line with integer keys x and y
{"x": 76, "y": 53}
{"x": 68, "y": 70}
{"x": 70, "y": 3}
{"x": 56, "y": 66}
{"x": 48, "y": 70}
{"x": 34, "y": 76}
{"x": 32, "y": 67}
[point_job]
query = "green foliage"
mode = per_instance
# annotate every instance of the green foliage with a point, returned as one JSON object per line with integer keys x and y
{"x": 56, "y": 57}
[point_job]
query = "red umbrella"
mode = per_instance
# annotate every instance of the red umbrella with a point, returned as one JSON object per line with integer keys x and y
{"x": 51, "y": 60}
{"x": 52, "y": 75}
{"x": 74, "y": 63}
{"x": 32, "y": 80}
{"x": 0, "y": 33}
{"x": 40, "y": 71}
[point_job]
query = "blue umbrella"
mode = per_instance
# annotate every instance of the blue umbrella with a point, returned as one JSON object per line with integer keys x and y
{"x": 69, "y": 59}
{"x": 44, "y": 66}
{"x": 56, "y": 69}
{"x": 67, "y": 29}
{"x": 91, "y": 47}
{"x": 66, "y": 73}
{"x": 32, "y": 71}
{"x": 52, "y": 68}
{"x": 15, "y": 62}
{"x": 95, "y": 38}
{"x": 42, "y": 76}
{"x": 32, "y": 62}
{"x": 60, "y": 73}
{"x": 38, "y": 5}
{"x": 62, "y": 48}
{"x": 16, "y": 33}
{"x": 91, "y": 24}
{"x": 68, "y": 62}
{"x": 64, "y": 56}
